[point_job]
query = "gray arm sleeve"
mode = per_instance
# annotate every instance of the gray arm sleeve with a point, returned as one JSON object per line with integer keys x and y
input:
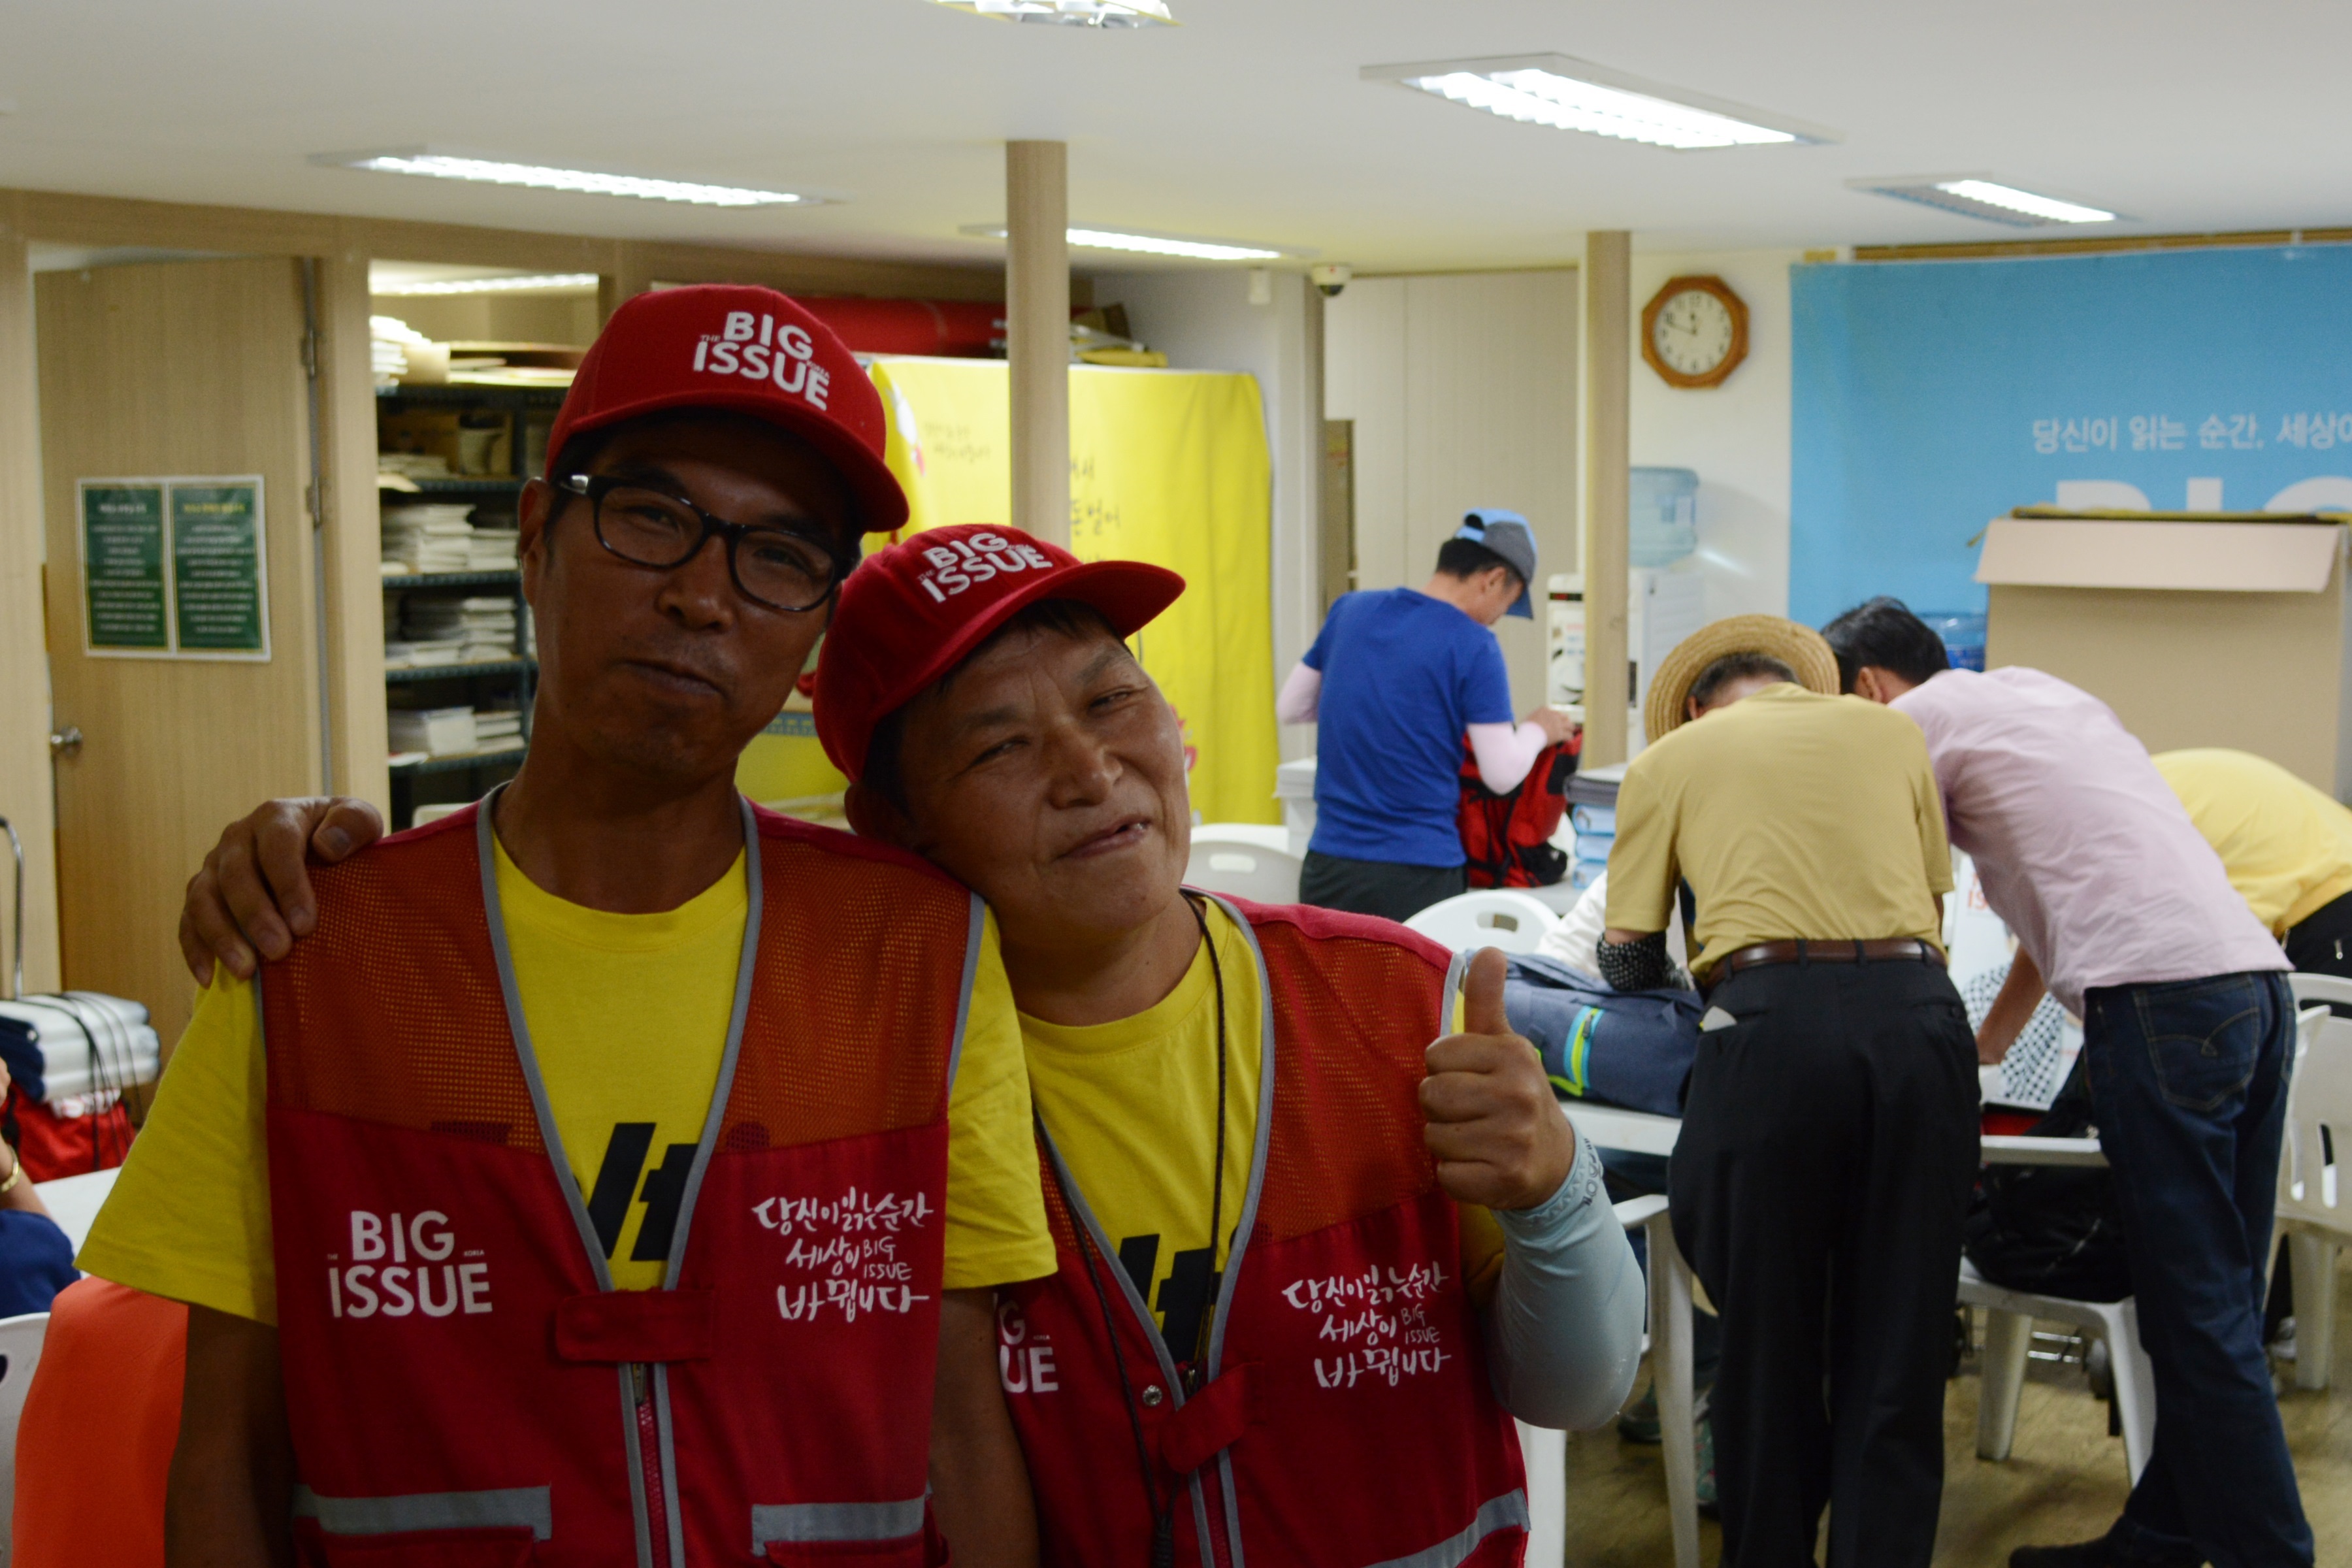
{"x": 1564, "y": 1331}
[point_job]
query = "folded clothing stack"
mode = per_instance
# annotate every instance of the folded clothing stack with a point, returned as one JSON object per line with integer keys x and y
{"x": 437, "y": 731}
{"x": 429, "y": 538}
{"x": 483, "y": 628}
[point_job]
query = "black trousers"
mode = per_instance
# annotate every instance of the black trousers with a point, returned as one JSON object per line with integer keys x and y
{"x": 1384, "y": 888}
{"x": 2320, "y": 942}
{"x": 1817, "y": 1188}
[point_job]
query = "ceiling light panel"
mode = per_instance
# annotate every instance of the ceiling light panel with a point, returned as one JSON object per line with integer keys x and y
{"x": 1973, "y": 195}
{"x": 588, "y": 181}
{"x": 542, "y": 283}
{"x": 1072, "y": 13}
{"x": 1090, "y": 237}
{"x": 1569, "y": 94}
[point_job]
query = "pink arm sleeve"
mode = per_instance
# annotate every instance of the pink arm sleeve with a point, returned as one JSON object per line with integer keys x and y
{"x": 1300, "y": 696}
{"x": 1505, "y": 754}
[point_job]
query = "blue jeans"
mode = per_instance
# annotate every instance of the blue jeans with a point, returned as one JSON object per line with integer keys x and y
{"x": 2189, "y": 1082}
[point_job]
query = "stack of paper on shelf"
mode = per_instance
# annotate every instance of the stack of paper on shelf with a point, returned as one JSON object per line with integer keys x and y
{"x": 491, "y": 550}
{"x": 443, "y": 731}
{"x": 483, "y": 627}
{"x": 429, "y": 538}
{"x": 498, "y": 729}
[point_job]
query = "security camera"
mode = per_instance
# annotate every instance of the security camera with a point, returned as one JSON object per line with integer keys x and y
{"x": 1332, "y": 276}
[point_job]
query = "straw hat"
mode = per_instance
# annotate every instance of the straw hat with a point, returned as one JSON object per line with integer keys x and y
{"x": 1799, "y": 647}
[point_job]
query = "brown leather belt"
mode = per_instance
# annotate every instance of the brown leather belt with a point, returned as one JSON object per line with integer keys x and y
{"x": 1890, "y": 948}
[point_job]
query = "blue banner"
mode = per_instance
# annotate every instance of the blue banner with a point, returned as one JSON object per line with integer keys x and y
{"x": 1930, "y": 396}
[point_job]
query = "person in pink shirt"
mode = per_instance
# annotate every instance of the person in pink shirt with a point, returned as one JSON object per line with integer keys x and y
{"x": 2124, "y": 914}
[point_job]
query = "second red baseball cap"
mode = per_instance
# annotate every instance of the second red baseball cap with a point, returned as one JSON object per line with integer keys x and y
{"x": 910, "y": 614}
{"x": 745, "y": 349}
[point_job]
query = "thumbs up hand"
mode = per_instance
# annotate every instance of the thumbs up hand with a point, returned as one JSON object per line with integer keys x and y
{"x": 1496, "y": 1132}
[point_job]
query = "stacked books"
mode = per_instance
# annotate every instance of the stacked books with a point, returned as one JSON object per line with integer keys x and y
{"x": 426, "y": 539}
{"x": 481, "y": 629}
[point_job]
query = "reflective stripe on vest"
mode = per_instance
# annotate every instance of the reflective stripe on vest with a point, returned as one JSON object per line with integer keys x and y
{"x": 812, "y": 1521}
{"x": 789, "y": 1353}
{"x": 1340, "y": 1308}
{"x": 1509, "y": 1511}
{"x": 513, "y": 1508}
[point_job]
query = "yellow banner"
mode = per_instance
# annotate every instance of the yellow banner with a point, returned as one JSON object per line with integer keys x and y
{"x": 1169, "y": 467}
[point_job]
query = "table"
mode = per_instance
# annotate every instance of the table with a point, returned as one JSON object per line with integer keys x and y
{"x": 1643, "y": 1132}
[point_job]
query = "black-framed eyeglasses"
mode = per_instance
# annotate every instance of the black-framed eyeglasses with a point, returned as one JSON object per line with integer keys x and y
{"x": 774, "y": 567}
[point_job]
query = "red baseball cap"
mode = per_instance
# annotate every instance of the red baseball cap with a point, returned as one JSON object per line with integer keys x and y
{"x": 743, "y": 348}
{"x": 911, "y": 613}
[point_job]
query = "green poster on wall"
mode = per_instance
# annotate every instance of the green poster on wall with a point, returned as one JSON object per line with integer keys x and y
{"x": 220, "y": 592}
{"x": 124, "y": 606}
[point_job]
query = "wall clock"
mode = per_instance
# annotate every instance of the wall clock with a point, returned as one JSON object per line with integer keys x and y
{"x": 1695, "y": 331}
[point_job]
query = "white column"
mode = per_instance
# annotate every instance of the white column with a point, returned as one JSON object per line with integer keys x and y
{"x": 1038, "y": 334}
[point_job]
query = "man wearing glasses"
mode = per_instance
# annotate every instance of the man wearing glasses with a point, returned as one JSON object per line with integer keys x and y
{"x": 621, "y": 1161}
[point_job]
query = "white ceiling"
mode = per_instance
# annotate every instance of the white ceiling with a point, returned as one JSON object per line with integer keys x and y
{"x": 1248, "y": 121}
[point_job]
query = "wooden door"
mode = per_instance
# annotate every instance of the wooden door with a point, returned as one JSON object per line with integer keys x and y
{"x": 170, "y": 369}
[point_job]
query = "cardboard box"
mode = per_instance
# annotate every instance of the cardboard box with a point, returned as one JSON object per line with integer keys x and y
{"x": 2196, "y": 633}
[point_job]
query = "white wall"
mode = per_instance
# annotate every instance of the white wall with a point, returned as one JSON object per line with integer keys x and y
{"x": 1462, "y": 388}
{"x": 1202, "y": 320}
{"x": 1735, "y": 434}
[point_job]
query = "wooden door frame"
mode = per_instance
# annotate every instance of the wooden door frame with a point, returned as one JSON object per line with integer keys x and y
{"x": 353, "y": 607}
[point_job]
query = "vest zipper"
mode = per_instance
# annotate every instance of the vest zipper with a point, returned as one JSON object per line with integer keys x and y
{"x": 641, "y": 1384}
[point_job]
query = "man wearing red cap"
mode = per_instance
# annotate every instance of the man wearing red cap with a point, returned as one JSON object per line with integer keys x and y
{"x": 1306, "y": 1260}
{"x": 577, "y": 1210}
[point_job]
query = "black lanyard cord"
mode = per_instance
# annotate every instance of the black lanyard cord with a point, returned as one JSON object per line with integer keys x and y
{"x": 1163, "y": 1510}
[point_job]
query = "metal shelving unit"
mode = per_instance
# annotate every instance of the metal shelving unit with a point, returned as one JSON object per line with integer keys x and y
{"x": 515, "y": 678}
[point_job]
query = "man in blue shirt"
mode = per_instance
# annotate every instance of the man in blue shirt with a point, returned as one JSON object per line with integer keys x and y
{"x": 1396, "y": 680}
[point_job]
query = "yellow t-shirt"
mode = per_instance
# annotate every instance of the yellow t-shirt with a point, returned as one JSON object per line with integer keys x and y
{"x": 1131, "y": 1107}
{"x": 2286, "y": 846}
{"x": 628, "y": 1017}
{"x": 1792, "y": 815}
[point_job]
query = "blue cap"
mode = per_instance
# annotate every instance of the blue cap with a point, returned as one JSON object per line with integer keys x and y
{"x": 1506, "y": 534}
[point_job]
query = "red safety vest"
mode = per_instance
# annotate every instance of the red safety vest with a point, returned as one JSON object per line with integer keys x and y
{"x": 465, "y": 1388}
{"x": 1345, "y": 1418}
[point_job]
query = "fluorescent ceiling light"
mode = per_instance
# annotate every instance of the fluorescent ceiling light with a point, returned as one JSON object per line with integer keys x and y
{"x": 543, "y": 282}
{"x": 1091, "y": 238}
{"x": 1072, "y": 13}
{"x": 1973, "y": 195}
{"x": 447, "y": 166}
{"x": 1569, "y": 94}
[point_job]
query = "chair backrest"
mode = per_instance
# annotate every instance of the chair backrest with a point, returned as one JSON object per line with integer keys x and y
{"x": 2310, "y": 988}
{"x": 1265, "y": 873}
{"x": 1258, "y": 834}
{"x": 20, "y": 1353}
{"x": 2318, "y": 1111}
{"x": 1486, "y": 917}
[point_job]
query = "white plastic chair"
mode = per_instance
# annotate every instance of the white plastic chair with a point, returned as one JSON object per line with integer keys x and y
{"x": 1669, "y": 1344}
{"x": 2315, "y": 1210}
{"x": 2009, "y": 1334}
{"x": 20, "y": 1353}
{"x": 2009, "y": 1314}
{"x": 1243, "y": 865}
{"x": 1486, "y": 917}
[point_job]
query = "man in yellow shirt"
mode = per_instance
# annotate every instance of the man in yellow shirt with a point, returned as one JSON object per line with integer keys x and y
{"x": 2286, "y": 846}
{"x": 1829, "y": 1136}
{"x": 1183, "y": 1052}
{"x": 667, "y": 965}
